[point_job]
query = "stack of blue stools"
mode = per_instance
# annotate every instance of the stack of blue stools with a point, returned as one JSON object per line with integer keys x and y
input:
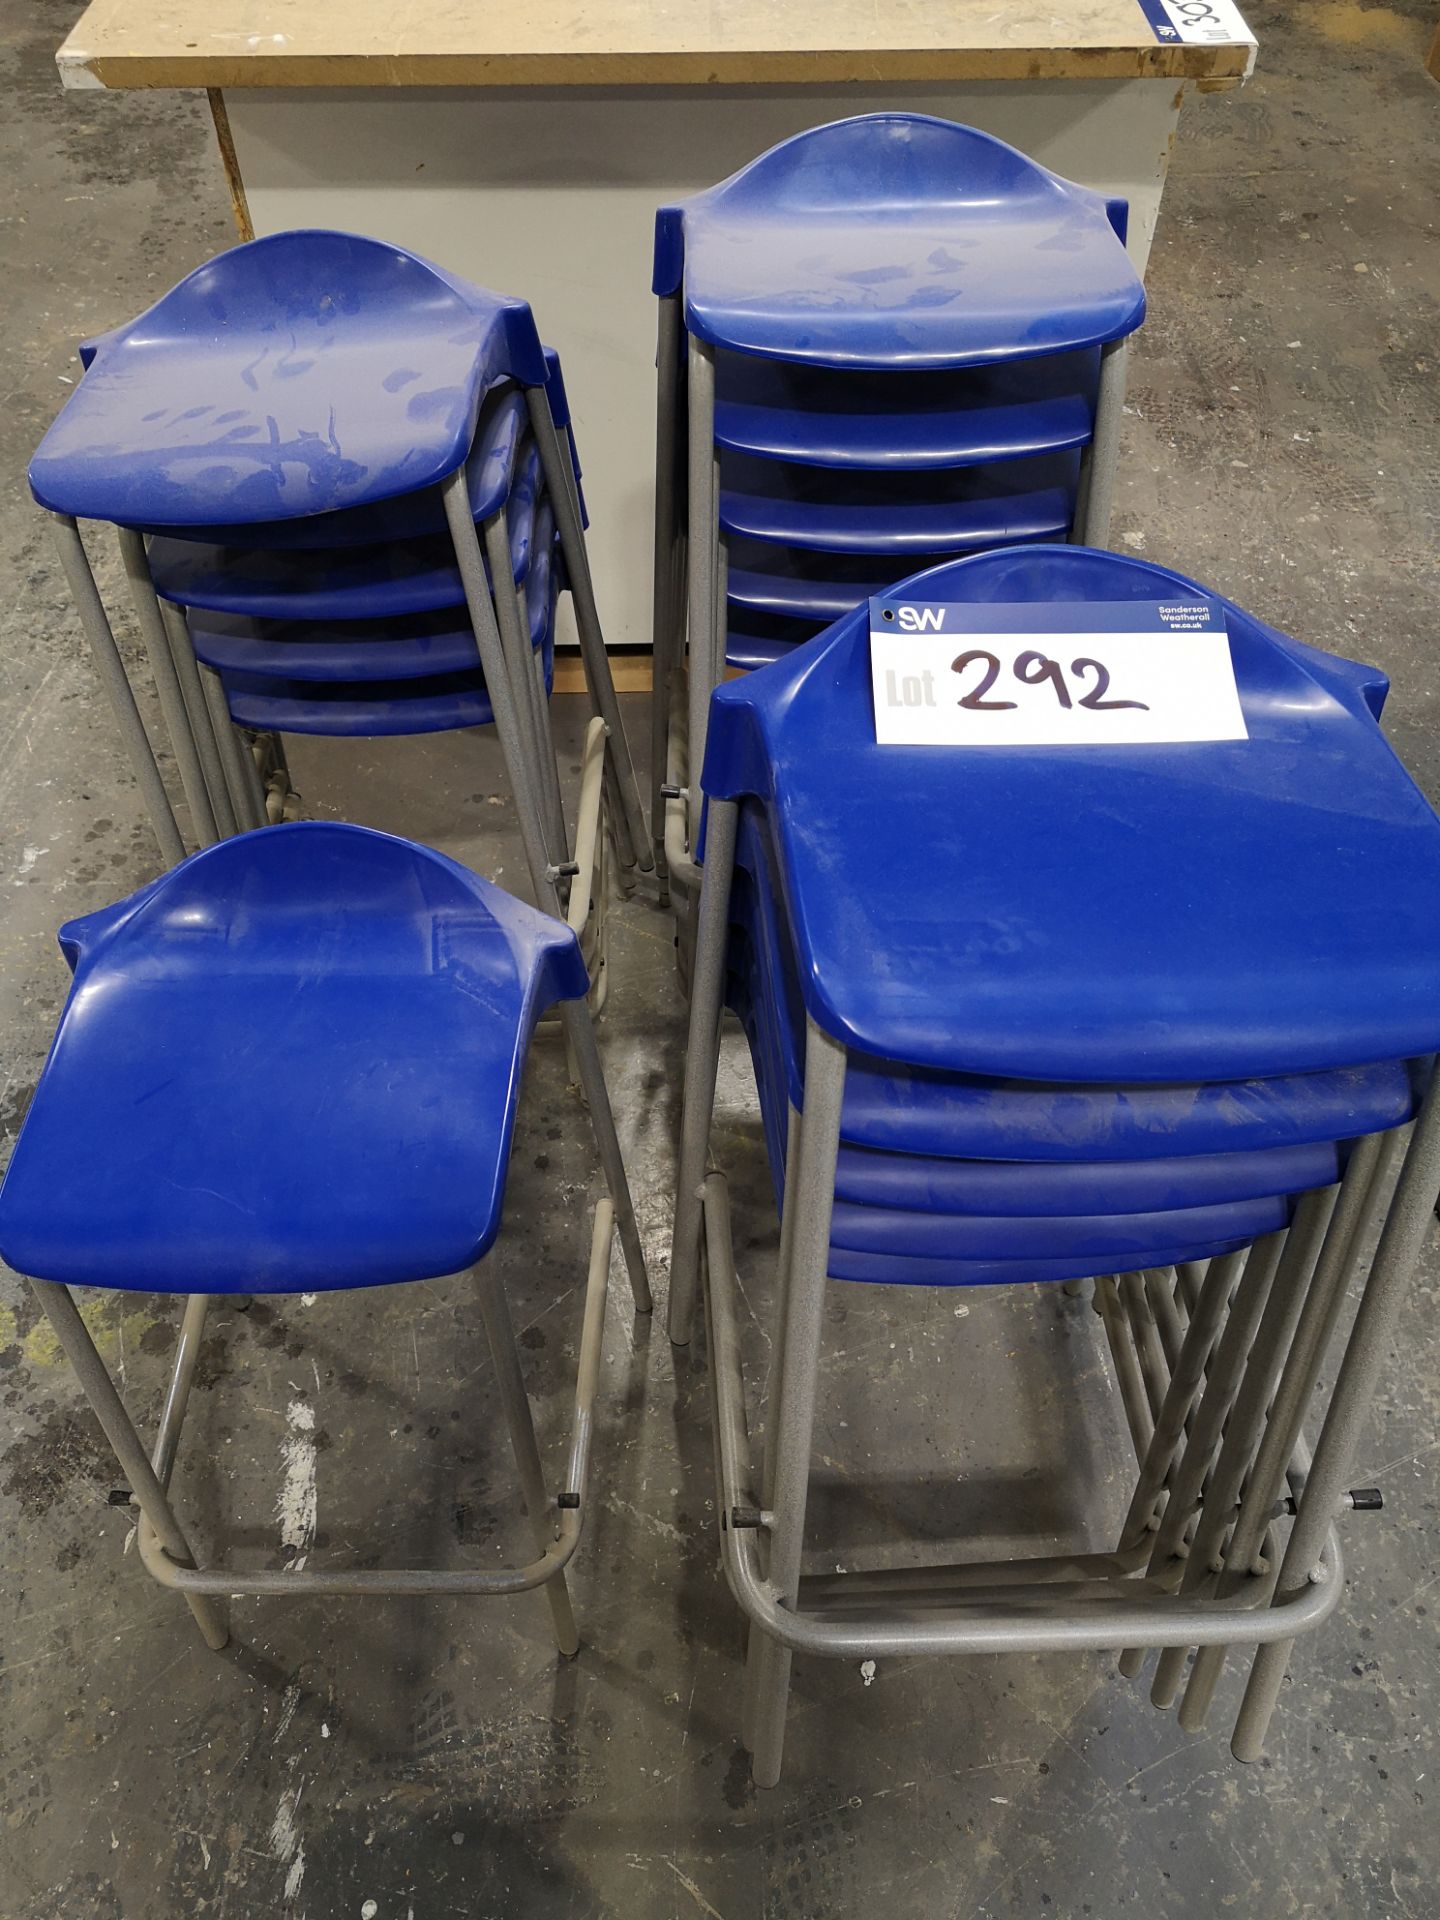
{"x": 361, "y": 628}
{"x": 1149, "y": 1014}
{"x": 342, "y": 477}
{"x": 955, "y": 1179}
{"x": 883, "y": 343}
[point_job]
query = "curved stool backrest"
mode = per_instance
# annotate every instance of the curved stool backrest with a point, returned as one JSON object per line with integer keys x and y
{"x": 297, "y": 374}
{"x": 318, "y": 898}
{"x": 899, "y": 239}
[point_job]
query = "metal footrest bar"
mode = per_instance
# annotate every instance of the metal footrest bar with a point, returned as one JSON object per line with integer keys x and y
{"x": 1023, "y": 1594}
{"x": 355, "y": 1582}
{"x": 219, "y": 1582}
{"x": 1114, "y": 1317}
{"x": 857, "y": 1588}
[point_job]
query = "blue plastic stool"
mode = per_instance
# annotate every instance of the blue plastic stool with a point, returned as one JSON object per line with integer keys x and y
{"x": 382, "y": 1159}
{"x": 899, "y": 336}
{"x": 320, "y": 377}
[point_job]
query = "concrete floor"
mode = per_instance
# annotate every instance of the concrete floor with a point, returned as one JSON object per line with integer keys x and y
{"x": 407, "y": 1759}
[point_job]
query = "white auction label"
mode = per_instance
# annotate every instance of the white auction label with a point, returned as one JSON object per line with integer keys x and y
{"x": 1052, "y": 675}
{"x": 1206, "y": 22}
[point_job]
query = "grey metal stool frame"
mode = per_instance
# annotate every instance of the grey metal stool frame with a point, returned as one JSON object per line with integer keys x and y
{"x": 1215, "y": 1370}
{"x": 164, "y": 1547}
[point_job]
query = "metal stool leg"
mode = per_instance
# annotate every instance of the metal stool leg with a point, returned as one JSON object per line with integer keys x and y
{"x": 701, "y": 1060}
{"x": 1222, "y": 1383}
{"x": 722, "y": 605}
{"x": 662, "y": 632}
{"x": 241, "y": 773}
{"x": 167, "y": 684}
{"x": 803, "y": 1294}
{"x": 703, "y": 486}
{"x": 755, "y": 1674}
{"x": 500, "y": 1332}
{"x": 1202, "y": 1433}
{"x": 549, "y": 760}
{"x": 1097, "y": 480}
{"x": 580, "y": 1033}
{"x": 1366, "y": 1179}
{"x": 93, "y": 618}
{"x": 509, "y": 724}
{"x": 1406, "y": 1229}
{"x": 255, "y": 782}
{"x": 1247, "y": 1414}
{"x": 99, "y": 1390}
{"x": 519, "y": 658}
{"x": 187, "y": 670}
{"x": 1175, "y": 1419}
{"x": 560, "y": 480}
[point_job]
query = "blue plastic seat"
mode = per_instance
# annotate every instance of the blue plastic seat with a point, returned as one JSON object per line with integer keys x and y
{"x": 336, "y": 583}
{"x": 335, "y": 386}
{"x": 392, "y": 992}
{"x": 1020, "y": 1188}
{"x": 895, "y": 1256}
{"x": 369, "y": 710}
{"x": 332, "y": 583}
{"x": 488, "y": 472}
{"x": 929, "y": 1127}
{"x": 787, "y": 583}
{"x": 1115, "y": 1242}
{"x": 792, "y": 595}
{"x": 408, "y": 646}
{"x": 303, "y": 373}
{"x": 908, "y": 1270}
{"x": 522, "y": 510}
{"x": 892, "y": 295}
{"x": 747, "y": 651}
{"x": 898, "y": 240}
{"x": 909, "y": 1191}
{"x": 899, "y": 422}
{"x": 411, "y": 646}
{"x": 373, "y": 707}
{"x": 753, "y": 639}
{"x": 1141, "y": 915}
{"x": 892, "y": 516}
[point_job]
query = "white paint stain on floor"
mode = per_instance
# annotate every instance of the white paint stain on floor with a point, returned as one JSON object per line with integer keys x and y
{"x": 289, "y": 1701}
{"x": 298, "y": 1505}
{"x": 285, "y": 1843}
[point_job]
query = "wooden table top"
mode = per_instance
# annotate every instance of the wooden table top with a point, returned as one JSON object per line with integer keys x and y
{"x": 613, "y": 43}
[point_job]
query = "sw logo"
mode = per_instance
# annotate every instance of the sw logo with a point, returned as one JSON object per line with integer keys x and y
{"x": 922, "y": 619}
